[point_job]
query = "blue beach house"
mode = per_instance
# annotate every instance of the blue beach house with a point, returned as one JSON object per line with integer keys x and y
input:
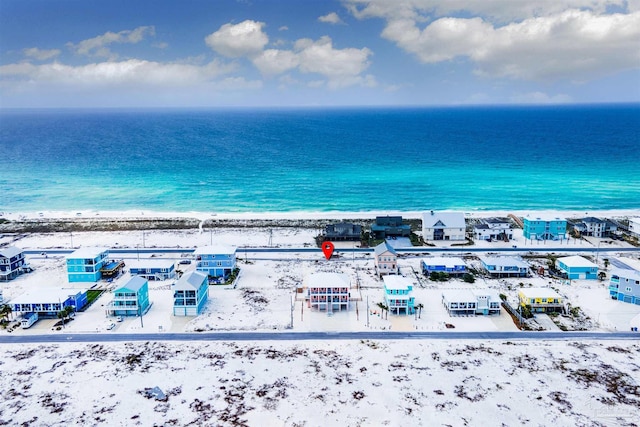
{"x": 504, "y": 266}
{"x": 577, "y": 267}
{"x": 153, "y": 269}
{"x": 398, "y": 296}
{"x": 453, "y": 266}
{"x": 12, "y": 263}
{"x": 624, "y": 285}
{"x": 84, "y": 264}
{"x": 190, "y": 294}
{"x": 216, "y": 261}
{"x": 47, "y": 302}
{"x": 132, "y": 299}
{"x": 544, "y": 228}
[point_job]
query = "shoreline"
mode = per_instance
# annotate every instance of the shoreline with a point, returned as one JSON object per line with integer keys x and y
{"x": 299, "y": 215}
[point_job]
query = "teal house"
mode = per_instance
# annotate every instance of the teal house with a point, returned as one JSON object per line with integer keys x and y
{"x": 544, "y": 228}
{"x": 577, "y": 267}
{"x": 190, "y": 294}
{"x": 398, "y": 294}
{"x": 132, "y": 299}
{"x": 84, "y": 264}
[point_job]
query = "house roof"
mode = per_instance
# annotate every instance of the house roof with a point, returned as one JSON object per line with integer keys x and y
{"x": 576, "y": 261}
{"x": 10, "y": 251}
{"x": 447, "y": 261}
{"x": 626, "y": 274}
{"x": 134, "y": 284}
{"x": 546, "y": 218}
{"x": 90, "y": 252}
{"x": 592, "y": 219}
{"x": 539, "y": 293}
{"x": 503, "y": 261}
{"x": 215, "y": 250}
{"x": 447, "y": 219}
{"x": 491, "y": 293}
{"x": 396, "y": 282}
{"x": 46, "y": 296}
{"x": 459, "y": 295}
{"x": 151, "y": 263}
{"x": 384, "y": 247}
{"x": 327, "y": 280}
{"x": 190, "y": 281}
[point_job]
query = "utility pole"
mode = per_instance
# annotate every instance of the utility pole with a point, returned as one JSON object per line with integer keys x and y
{"x": 292, "y": 307}
{"x": 140, "y": 313}
{"x": 143, "y": 240}
{"x": 367, "y": 311}
{"x": 71, "y": 234}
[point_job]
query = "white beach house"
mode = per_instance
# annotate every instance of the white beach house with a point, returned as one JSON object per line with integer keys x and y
{"x": 328, "y": 291}
{"x": 443, "y": 226}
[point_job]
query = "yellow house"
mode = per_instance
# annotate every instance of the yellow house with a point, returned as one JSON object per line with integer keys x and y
{"x": 541, "y": 300}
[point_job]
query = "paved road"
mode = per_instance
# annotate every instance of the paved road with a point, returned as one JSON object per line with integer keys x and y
{"x": 323, "y": 336}
{"x": 415, "y": 249}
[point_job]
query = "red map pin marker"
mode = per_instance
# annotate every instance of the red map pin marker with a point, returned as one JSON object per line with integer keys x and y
{"x": 327, "y": 248}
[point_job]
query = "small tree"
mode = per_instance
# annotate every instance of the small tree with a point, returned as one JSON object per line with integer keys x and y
{"x": 468, "y": 277}
{"x": 420, "y": 307}
{"x": 606, "y": 263}
{"x": 602, "y": 275}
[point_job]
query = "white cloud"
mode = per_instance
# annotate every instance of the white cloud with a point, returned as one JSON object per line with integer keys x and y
{"x": 98, "y": 46}
{"x": 41, "y": 54}
{"x": 243, "y": 39}
{"x": 540, "y": 98}
{"x": 548, "y": 44}
{"x": 341, "y": 66}
{"x": 499, "y": 11}
{"x": 274, "y": 61}
{"x": 331, "y": 18}
{"x": 111, "y": 73}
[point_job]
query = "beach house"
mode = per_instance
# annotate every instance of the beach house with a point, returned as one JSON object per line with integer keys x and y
{"x": 624, "y": 285}
{"x": 132, "y": 299}
{"x": 469, "y": 302}
{"x": 12, "y": 263}
{"x": 216, "y": 261}
{"x": 328, "y": 291}
{"x": 84, "y": 264}
{"x": 153, "y": 269}
{"x": 493, "y": 229}
{"x": 541, "y": 300}
{"x": 48, "y": 302}
{"x": 443, "y": 226}
{"x": 453, "y": 266}
{"x": 385, "y": 259}
{"x": 389, "y": 226}
{"x": 634, "y": 226}
{"x": 343, "y": 231}
{"x": 504, "y": 266}
{"x": 190, "y": 294}
{"x": 591, "y": 226}
{"x": 398, "y": 294}
{"x": 544, "y": 228}
{"x": 577, "y": 267}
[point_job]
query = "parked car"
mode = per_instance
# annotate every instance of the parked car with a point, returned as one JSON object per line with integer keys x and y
{"x": 111, "y": 326}
{"x": 119, "y": 319}
{"x": 185, "y": 261}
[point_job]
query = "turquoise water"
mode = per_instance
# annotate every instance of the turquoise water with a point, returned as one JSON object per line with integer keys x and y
{"x": 570, "y": 157}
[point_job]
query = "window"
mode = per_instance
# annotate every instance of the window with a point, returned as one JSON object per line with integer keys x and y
{"x": 628, "y": 289}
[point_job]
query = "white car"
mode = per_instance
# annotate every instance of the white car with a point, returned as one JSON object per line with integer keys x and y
{"x": 111, "y": 326}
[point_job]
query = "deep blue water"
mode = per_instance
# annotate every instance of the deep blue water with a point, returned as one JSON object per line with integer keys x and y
{"x": 569, "y": 157}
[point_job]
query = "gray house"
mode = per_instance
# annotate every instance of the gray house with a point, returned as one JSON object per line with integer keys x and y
{"x": 12, "y": 263}
{"x": 389, "y": 226}
{"x": 343, "y": 231}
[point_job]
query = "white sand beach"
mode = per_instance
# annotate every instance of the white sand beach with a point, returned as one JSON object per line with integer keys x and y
{"x": 313, "y": 383}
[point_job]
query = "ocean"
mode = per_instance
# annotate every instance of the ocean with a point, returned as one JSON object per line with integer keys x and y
{"x": 312, "y": 159}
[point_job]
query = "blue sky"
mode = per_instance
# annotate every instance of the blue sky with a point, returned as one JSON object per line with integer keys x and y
{"x": 200, "y": 53}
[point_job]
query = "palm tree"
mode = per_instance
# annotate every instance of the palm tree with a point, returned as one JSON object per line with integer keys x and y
{"x": 420, "y": 307}
{"x": 5, "y": 311}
